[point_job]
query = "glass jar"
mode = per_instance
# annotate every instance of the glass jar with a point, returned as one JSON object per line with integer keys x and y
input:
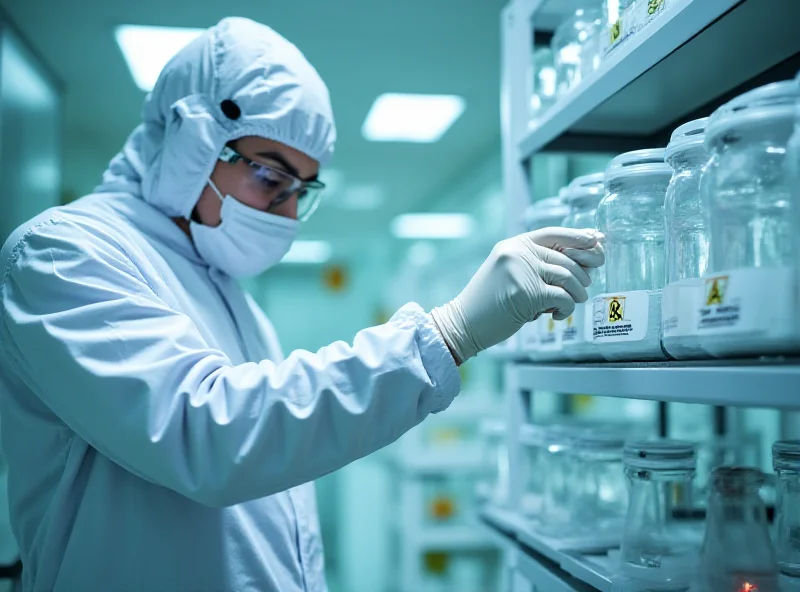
{"x": 540, "y": 340}
{"x": 583, "y": 196}
{"x": 686, "y": 241}
{"x": 561, "y": 480}
{"x": 572, "y": 45}
{"x": 793, "y": 169}
{"x": 737, "y": 550}
{"x": 786, "y": 462}
{"x": 599, "y": 506}
{"x": 494, "y": 486}
{"x": 532, "y": 439}
{"x": 658, "y": 548}
{"x": 749, "y": 304}
{"x": 543, "y": 82}
{"x": 627, "y": 319}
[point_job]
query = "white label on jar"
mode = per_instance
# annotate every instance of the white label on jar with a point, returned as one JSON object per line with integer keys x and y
{"x": 680, "y": 303}
{"x": 550, "y": 333}
{"x": 529, "y": 335}
{"x": 574, "y": 326}
{"x": 620, "y": 317}
{"x": 747, "y": 300}
{"x": 641, "y": 13}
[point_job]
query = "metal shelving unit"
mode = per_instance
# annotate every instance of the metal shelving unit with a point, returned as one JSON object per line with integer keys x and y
{"x": 694, "y": 56}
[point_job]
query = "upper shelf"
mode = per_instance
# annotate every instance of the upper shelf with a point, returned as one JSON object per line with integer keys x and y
{"x": 693, "y": 54}
{"x": 746, "y": 383}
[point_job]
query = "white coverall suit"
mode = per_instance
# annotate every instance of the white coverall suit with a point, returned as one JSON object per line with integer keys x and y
{"x": 156, "y": 438}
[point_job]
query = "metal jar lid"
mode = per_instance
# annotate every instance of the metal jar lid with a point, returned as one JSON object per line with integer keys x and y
{"x": 660, "y": 455}
{"x": 786, "y": 455}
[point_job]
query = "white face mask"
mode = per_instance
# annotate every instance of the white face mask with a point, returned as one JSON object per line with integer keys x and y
{"x": 247, "y": 241}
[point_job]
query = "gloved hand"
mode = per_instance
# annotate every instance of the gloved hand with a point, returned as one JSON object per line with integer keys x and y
{"x": 524, "y": 276}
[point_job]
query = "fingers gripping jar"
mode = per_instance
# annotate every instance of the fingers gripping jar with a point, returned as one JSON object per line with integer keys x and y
{"x": 539, "y": 339}
{"x": 626, "y": 320}
{"x": 687, "y": 249}
{"x": 657, "y": 549}
{"x": 749, "y": 303}
{"x": 583, "y": 195}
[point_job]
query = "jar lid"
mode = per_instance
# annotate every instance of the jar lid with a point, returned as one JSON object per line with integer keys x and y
{"x": 737, "y": 480}
{"x": 601, "y": 441}
{"x": 660, "y": 455}
{"x": 648, "y": 162}
{"x": 786, "y": 455}
{"x": 532, "y": 435}
{"x": 760, "y": 105}
{"x": 545, "y": 212}
{"x": 686, "y": 137}
{"x": 585, "y": 186}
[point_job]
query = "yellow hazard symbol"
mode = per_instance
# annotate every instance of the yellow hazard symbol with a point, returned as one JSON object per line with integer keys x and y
{"x": 616, "y": 309}
{"x": 569, "y": 321}
{"x": 551, "y": 325}
{"x": 715, "y": 290}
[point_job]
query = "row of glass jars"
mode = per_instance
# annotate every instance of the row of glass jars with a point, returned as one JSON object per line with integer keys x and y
{"x": 580, "y": 42}
{"x": 712, "y": 220}
{"x": 577, "y": 489}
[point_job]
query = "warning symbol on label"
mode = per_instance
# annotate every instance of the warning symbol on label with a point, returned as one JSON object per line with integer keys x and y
{"x": 616, "y": 309}
{"x": 569, "y": 321}
{"x": 715, "y": 290}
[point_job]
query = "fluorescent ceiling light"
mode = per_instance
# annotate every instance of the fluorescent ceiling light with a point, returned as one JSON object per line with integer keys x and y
{"x": 148, "y": 49}
{"x": 308, "y": 251}
{"x": 411, "y": 118}
{"x": 432, "y": 226}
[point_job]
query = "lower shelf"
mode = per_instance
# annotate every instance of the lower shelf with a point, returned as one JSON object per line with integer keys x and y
{"x": 558, "y": 569}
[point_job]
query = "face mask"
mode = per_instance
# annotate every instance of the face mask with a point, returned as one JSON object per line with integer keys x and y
{"x": 247, "y": 241}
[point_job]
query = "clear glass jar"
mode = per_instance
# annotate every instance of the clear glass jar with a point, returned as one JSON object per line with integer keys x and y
{"x": 717, "y": 451}
{"x": 532, "y": 439}
{"x": 572, "y": 45}
{"x": 543, "y": 82}
{"x": 687, "y": 248}
{"x": 631, "y": 215}
{"x": 786, "y": 462}
{"x": 583, "y": 196}
{"x": 561, "y": 480}
{"x": 658, "y": 548}
{"x": 737, "y": 550}
{"x": 494, "y": 487}
{"x": 600, "y": 505}
{"x": 541, "y": 214}
{"x": 793, "y": 169}
{"x": 749, "y": 303}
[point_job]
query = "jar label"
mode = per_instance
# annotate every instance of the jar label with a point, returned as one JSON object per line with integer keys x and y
{"x": 549, "y": 333}
{"x": 574, "y": 327}
{"x": 748, "y": 300}
{"x": 529, "y": 335}
{"x": 620, "y": 317}
{"x": 680, "y": 312}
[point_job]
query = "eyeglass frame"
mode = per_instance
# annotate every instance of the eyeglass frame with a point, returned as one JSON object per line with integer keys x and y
{"x": 230, "y": 155}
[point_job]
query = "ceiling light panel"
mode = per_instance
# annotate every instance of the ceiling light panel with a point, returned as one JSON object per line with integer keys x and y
{"x": 411, "y": 118}
{"x": 148, "y": 49}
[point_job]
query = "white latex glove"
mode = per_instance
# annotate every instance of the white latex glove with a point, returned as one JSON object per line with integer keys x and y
{"x": 524, "y": 276}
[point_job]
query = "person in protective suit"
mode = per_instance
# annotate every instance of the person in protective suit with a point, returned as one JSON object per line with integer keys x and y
{"x": 157, "y": 438}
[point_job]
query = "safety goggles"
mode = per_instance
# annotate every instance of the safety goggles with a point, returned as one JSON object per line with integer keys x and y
{"x": 278, "y": 186}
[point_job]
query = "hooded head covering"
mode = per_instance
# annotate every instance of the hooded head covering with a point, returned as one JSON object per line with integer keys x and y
{"x": 239, "y": 78}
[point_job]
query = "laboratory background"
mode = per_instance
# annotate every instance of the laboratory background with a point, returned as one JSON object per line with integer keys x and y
{"x": 647, "y": 442}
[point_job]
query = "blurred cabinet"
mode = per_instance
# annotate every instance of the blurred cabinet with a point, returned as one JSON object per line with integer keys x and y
{"x": 30, "y": 132}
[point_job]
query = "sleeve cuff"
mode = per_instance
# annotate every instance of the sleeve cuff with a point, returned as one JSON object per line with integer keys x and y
{"x": 436, "y": 358}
